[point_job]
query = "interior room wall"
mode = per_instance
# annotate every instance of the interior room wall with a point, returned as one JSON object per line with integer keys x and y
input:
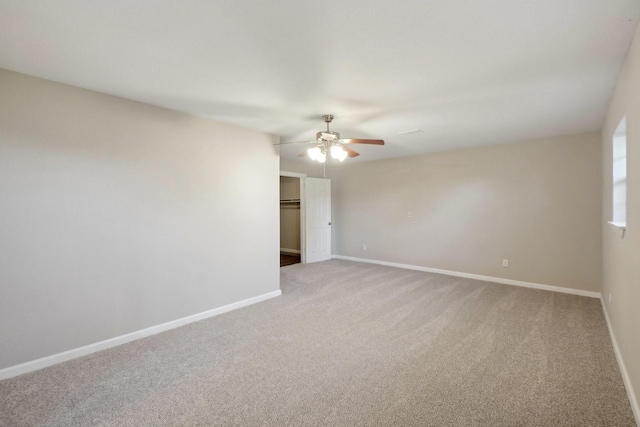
{"x": 621, "y": 256}
{"x": 117, "y": 216}
{"x": 535, "y": 203}
{"x": 289, "y": 215}
{"x": 311, "y": 169}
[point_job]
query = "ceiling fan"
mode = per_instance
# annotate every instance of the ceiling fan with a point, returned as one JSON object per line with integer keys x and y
{"x": 329, "y": 142}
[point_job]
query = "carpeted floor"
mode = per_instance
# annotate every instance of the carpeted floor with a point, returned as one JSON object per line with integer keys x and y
{"x": 350, "y": 344}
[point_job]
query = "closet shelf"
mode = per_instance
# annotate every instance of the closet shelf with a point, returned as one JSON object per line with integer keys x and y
{"x": 289, "y": 201}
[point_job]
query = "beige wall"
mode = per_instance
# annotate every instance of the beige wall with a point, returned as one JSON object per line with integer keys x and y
{"x": 116, "y": 216}
{"x": 534, "y": 203}
{"x": 311, "y": 169}
{"x": 289, "y": 214}
{"x": 289, "y": 187}
{"x": 621, "y": 257}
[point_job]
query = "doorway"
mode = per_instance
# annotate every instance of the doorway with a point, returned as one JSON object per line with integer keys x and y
{"x": 291, "y": 219}
{"x": 305, "y": 219}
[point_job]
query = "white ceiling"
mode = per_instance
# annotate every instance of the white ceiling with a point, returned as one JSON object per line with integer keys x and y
{"x": 466, "y": 72}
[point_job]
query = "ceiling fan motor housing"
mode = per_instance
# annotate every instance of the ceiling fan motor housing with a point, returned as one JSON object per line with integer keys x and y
{"x": 327, "y": 136}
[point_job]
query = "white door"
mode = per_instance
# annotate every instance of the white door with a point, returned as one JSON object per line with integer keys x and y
{"x": 317, "y": 196}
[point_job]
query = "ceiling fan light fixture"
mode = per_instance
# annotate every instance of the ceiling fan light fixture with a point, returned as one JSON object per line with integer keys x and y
{"x": 314, "y": 153}
{"x": 336, "y": 150}
{"x": 322, "y": 157}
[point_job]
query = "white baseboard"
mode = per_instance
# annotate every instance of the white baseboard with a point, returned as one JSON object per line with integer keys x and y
{"x": 580, "y": 292}
{"x": 290, "y": 251}
{"x": 635, "y": 406}
{"x": 23, "y": 368}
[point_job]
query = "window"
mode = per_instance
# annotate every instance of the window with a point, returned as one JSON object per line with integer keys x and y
{"x": 620, "y": 175}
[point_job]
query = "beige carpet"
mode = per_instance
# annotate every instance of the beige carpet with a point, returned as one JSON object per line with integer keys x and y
{"x": 350, "y": 344}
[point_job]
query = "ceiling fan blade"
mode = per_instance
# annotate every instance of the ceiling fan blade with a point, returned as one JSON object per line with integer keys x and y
{"x": 303, "y": 154}
{"x": 297, "y": 142}
{"x": 350, "y": 152}
{"x": 363, "y": 141}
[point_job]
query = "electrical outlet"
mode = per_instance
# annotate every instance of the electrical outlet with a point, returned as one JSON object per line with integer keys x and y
{"x": 505, "y": 263}
{"x": 409, "y": 214}
{"x": 364, "y": 247}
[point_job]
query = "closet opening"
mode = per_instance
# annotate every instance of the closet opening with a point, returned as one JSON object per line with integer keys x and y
{"x": 291, "y": 219}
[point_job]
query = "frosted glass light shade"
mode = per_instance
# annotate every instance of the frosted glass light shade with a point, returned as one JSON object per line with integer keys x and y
{"x": 336, "y": 151}
{"x": 314, "y": 153}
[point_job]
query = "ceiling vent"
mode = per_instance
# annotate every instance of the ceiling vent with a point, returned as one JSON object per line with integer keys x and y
{"x": 411, "y": 132}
